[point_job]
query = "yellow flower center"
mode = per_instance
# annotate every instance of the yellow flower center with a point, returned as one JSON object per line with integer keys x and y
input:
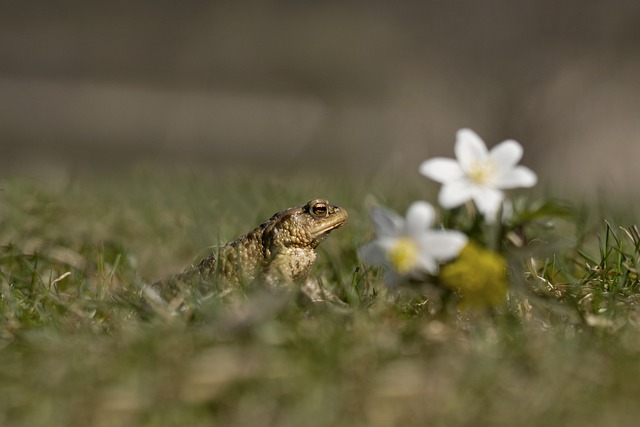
{"x": 482, "y": 172}
{"x": 479, "y": 275}
{"x": 403, "y": 256}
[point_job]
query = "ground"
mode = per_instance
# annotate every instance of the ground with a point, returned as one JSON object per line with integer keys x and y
{"x": 77, "y": 348}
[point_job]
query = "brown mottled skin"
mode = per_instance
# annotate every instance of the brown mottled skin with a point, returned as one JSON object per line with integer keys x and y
{"x": 278, "y": 253}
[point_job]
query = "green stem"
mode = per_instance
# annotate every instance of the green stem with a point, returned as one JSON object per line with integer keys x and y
{"x": 493, "y": 233}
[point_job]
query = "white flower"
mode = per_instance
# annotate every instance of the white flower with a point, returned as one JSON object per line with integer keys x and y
{"x": 479, "y": 174}
{"x": 409, "y": 246}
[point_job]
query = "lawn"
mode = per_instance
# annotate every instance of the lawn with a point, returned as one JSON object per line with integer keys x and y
{"x": 79, "y": 347}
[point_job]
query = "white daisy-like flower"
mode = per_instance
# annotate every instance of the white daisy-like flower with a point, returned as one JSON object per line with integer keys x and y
{"x": 479, "y": 174}
{"x": 410, "y": 247}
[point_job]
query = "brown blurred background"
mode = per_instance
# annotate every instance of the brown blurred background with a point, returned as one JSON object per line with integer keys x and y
{"x": 356, "y": 87}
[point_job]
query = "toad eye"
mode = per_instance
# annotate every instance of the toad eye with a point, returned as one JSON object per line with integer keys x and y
{"x": 319, "y": 210}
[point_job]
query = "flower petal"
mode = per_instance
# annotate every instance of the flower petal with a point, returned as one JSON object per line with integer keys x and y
{"x": 387, "y": 222}
{"x": 454, "y": 194}
{"x": 488, "y": 201}
{"x": 441, "y": 170}
{"x": 520, "y": 176}
{"x": 392, "y": 278}
{"x": 427, "y": 263}
{"x": 386, "y": 243}
{"x": 469, "y": 149}
{"x": 507, "y": 154}
{"x": 443, "y": 245}
{"x": 420, "y": 217}
{"x": 373, "y": 253}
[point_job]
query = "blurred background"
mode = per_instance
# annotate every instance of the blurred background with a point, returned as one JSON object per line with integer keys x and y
{"x": 328, "y": 87}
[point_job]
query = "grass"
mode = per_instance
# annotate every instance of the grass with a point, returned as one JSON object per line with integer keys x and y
{"x": 75, "y": 349}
